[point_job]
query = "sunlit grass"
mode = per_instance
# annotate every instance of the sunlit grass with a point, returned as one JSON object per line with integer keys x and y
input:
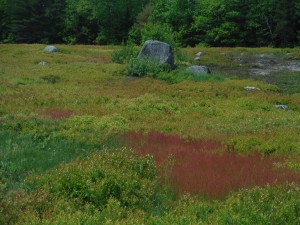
{"x": 80, "y": 101}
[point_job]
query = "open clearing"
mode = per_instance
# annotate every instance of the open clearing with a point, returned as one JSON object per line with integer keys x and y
{"x": 219, "y": 154}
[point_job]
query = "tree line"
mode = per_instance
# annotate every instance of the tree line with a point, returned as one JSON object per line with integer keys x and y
{"x": 181, "y": 22}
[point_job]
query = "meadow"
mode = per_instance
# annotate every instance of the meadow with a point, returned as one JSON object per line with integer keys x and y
{"x": 81, "y": 142}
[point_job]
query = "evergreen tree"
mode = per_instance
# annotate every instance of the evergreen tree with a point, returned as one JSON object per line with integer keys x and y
{"x": 35, "y": 21}
{"x": 4, "y": 19}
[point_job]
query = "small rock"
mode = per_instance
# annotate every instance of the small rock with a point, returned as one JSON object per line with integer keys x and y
{"x": 241, "y": 61}
{"x": 42, "y": 63}
{"x": 160, "y": 50}
{"x": 284, "y": 107}
{"x": 197, "y": 59}
{"x": 199, "y": 54}
{"x": 198, "y": 69}
{"x": 250, "y": 88}
{"x": 51, "y": 48}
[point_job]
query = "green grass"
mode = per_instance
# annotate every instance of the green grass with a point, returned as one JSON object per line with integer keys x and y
{"x": 289, "y": 82}
{"x": 48, "y": 164}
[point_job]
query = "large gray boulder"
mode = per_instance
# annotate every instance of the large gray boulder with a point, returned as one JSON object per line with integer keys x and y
{"x": 51, "y": 48}
{"x": 161, "y": 51}
{"x": 198, "y": 70}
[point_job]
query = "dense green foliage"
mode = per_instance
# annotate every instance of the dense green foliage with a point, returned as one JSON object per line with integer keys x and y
{"x": 231, "y": 22}
{"x": 184, "y": 22}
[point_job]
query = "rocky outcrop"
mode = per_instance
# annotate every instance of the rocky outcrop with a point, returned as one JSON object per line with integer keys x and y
{"x": 161, "y": 51}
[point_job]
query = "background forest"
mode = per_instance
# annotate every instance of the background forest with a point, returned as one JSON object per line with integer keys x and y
{"x": 181, "y": 22}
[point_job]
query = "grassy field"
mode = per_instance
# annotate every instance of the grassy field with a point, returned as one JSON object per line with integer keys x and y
{"x": 83, "y": 143}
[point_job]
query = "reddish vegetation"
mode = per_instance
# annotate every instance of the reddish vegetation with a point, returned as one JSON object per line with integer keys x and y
{"x": 56, "y": 113}
{"x": 199, "y": 168}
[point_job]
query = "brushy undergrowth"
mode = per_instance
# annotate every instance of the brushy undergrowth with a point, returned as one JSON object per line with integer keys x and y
{"x": 125, "y": 54}
{"x": 31, "y": 144}
{"x": 105, "y": 187}
{"x": 61, "y": 163}
{"x": 145, "y": 67}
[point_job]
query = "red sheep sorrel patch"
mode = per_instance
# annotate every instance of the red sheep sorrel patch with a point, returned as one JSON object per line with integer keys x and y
{"x": 199, "y": 167}
{"x": 56, "y": 114}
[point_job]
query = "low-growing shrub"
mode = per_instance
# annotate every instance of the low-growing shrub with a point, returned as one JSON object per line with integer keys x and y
{"x": 32, "y": 144}
{"x": 125, "y": 54}
{"x": 177, "y": 76}
{"x": 269, "y": 205}
{"x": 51, "y": 79}
{"x": 146, "y": 67}
{"x": 92, "y": 129}
{"x": 119, "y": 174}
{"x": 106, "y": 187}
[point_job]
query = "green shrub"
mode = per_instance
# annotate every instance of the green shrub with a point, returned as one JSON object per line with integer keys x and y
{"x": 119, "y": 174}
{"x": 145, "y": 67}
{"x": 159, "y": 32}
{"x": 51, "y": 79}
{"x": 135, "y": 36}
{"x": 124, "y": 55}
{"x": 270, "y": 205}
{"x": 92, "y": 129}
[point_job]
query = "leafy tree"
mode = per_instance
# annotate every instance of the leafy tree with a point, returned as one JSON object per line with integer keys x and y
{"x": 212, "y": 22}
{"x": 179, "y": 14}
{"x": 80, "y": 24}
{"x": 101, "y": 21}
{"x": 274, "y": 22}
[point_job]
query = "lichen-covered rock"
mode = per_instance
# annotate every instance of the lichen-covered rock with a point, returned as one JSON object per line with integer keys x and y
{"x": 51, "y": 48}
{"x": 199, "y": 70}
{"x": 161, "y": 51}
